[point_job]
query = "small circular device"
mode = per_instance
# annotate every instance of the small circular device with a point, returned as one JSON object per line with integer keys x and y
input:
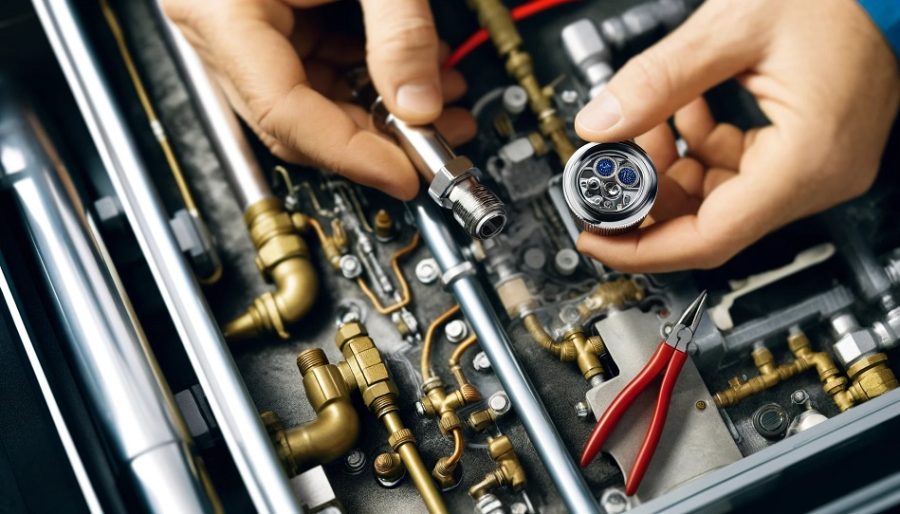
{"x": 609, "y": 187}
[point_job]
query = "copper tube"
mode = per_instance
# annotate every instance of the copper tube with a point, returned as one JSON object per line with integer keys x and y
{"x": 405, "y": 293}
{"x": 414, "y": 465}
{"x": 429, "y": 339}
{"x": 329, "y": 248}
{"x": 458, "y": 447}
{"x": 453, "y": 361}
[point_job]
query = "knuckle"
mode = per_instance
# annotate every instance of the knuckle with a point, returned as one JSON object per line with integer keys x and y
{"x": 411, "y": 35}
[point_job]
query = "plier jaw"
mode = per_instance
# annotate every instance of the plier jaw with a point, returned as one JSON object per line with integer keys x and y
{"x": 667, "y": 361}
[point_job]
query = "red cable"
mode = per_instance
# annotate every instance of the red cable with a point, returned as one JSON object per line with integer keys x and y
{"x": 519, "y": 13}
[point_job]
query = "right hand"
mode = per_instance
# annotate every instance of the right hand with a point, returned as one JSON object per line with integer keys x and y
{"x": 282, "y": 73}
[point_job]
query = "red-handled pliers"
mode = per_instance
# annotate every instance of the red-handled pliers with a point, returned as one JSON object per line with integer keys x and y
{"x": 667, "y": 360}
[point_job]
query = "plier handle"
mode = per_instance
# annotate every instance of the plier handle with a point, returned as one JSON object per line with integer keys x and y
{"x": 667, "y": 361}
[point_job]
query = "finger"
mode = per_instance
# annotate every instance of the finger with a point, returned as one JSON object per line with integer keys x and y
{"x": 456, "y": 125}
{"x": 672, "y": 201}
{"x": 689, "y": 174}
{"x": 453, "y": 85}
{"x": 713, "y": 144}
{"x": 714, "y": 178}
{"x": 694, "y": 122}
{"x": 402, "y": 48}
{"x": 654, "y": 84}
{"x": 659, "y": 143}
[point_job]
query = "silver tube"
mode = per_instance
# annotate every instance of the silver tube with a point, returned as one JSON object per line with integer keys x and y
{"x": 228, "y": 398}
{"x": 458, "y": 275}
{"x": 109, "y": 353}
{"x": 235, "y": 155}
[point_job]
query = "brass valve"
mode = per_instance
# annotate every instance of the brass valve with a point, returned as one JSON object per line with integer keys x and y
{"x": 283, "y": 258}
{"x": 574, "y": 346}
{"x": 508, "y": 473}
{"x": 613, "y": 294}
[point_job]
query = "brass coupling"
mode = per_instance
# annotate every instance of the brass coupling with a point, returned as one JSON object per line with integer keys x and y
{"x": 508, "y": 473}
{"x": 336, "y": 427}
{"x": 870, "y": 377}
{"x": 283, "y": 258}
{"x": 769, "y": 376}
{"x": 574, "y": 346}
{"x": 364, "y": 368}
{"x": 388, "y": 468}
{"x": 613, "y": 294}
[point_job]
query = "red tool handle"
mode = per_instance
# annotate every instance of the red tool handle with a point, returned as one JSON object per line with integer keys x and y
{"x": 651, "y": 440}
{"x": 624, "y": 399}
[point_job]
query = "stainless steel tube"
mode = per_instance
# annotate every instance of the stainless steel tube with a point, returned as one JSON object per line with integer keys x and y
{"x": 133, "y": 409}
{"x": 458, "y": 275}
{"x": 215, "y": 369}
{"x": 236, "y": 156}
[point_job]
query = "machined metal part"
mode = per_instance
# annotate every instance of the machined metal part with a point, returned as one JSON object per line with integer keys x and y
{"x": 771, "y": 421}
{"x": 212, "y": 363}
{"x": 693, "y": 441}
{"x": 495, "y": 343}
{"x": 642, "y": 20}
{"x": 609, "y": 187}
{"x": 453, "y": 182}
{"x": 589, "y": 53}
{"x": 314, "y": 489}
{"x": 130, "y": 401}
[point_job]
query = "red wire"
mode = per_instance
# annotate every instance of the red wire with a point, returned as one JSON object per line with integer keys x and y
{"x": 519, "y": 13}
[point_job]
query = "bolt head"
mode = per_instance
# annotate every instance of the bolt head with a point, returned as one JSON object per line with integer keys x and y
{"x": 427, "y": 271}
{"x": 349, "y": 331}
{"x": 456, "y": 331}
{"x": 582, "y": 410}
{"x": 499, "y": 402}
{"x": 355, "y": 462}
{"x": 854, "y": 345}
{"x": 480, "y": 362}
{"x": 799, "y": 397}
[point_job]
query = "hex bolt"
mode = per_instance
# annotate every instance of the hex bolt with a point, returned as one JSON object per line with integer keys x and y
{"x": 582, "y": 410}
{"x": 499, "y": 403}
{"x": 569, "y": 96}
{"x": 518, "y": 508}
{"x": 614, "y": 501}
{"x": 481, "y": 363}
{"x": 799, "y": 397}
{"x": 350, "y": 266}
{"x": 427, "y": 271}
{"x": 355, "y": 462}
{"x": 456, "y": 331}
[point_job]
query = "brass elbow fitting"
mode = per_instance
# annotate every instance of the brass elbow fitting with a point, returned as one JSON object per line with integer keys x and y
{"x": 870, "y": 377}
{"x": 283, "y": 258}
{"x": 509, "y": 472}
{"x": 614, "y": 294}
{"x": 336, "y": 427}
{"x": 575, "y": 346}
{"x": 769, "y": 376}
{"x": 365, "y": 369}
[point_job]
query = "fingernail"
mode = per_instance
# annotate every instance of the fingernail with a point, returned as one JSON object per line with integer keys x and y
{"x": 422, "y": 98}
{"x": 602, "y": 113}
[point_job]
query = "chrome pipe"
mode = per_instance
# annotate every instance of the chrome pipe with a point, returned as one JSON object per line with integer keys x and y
{"x": 458, "y": 274}
{"x": 213, "y": 364}
{"x": 134, "y": 410}
{"x": 235, "y": 155}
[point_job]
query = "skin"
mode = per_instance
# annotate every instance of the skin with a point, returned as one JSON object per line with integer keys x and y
{"x": 823, "y": 75}
{"x": 284, "y": 75}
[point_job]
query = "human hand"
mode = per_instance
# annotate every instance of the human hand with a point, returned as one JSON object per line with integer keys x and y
{"x": 820, "y": 71}
{"x": 282, "y": 72}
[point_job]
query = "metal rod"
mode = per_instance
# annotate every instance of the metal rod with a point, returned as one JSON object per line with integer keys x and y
{"x": 215, "y": 369}
{"x": 133, "y": 408}
{"x": 235, "y": 155}
{"x": 458, "y": 275}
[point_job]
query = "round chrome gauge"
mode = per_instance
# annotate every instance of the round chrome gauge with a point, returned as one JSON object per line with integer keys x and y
{"x": 609, "y": 187}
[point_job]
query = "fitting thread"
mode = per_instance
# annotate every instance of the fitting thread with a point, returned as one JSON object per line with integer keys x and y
{"x": 311, "y": 358}
{"x": 477, "y": 209}
{"x": 470, "y": 394}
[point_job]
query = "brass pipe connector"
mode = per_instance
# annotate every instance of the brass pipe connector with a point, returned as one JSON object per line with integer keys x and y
{"x": 769, "y": 376}
{"x": 870, "y": 377}
{"x": 613, "y": 294}
{"x": 336, "y": 427}
{"x": 495, "y": 18}
{"x": 326, "y": 242}
{"x": 388, "y": 468}
{"x": 364, "y": 368}
{"x": 283, "y": 258}
{"x": 833, "y": 382}
{"x": 509, "y": 472}
{"x": 574, "y": 346}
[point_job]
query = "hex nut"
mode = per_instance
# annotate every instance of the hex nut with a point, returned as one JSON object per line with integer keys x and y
{"x": 349, "y": 331}
{"x": 854, "y": 345}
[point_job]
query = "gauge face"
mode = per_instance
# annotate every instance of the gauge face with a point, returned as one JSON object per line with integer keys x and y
{"x": 610, "y": 187}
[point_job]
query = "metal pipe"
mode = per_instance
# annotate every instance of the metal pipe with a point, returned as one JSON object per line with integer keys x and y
{"x": 458, "y": 275}
{"x": 134, "y": 410}
{"x": 215, "y": 369}
{"x": 235, "y": 155}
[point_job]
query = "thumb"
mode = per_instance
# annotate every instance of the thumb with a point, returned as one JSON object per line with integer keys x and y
{"x": 402, "y": 54}
{"x": 678, "y": 69}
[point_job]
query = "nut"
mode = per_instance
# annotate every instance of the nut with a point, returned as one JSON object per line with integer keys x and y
{"x": 427, "y": 271}
{"x": 488, "y": 504}
{"x": 854, "y": 345}
{"x": 481, "y": 363}
{"x": 582, "y": 410}
{"x": 499, "y": 403}
{"x": 348, "y": 331}
{"x": 456, "y": 331}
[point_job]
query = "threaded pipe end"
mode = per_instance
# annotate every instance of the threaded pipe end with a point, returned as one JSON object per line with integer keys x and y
{"x": 480, "y": 212}
{"x": 311, "y": 358}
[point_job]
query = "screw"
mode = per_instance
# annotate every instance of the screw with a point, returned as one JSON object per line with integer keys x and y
{"x": 427, "y": 271}
{"x": 420, "y": 409}
{"x": 355, "y": 462}
{"x": 481, "y": 362}
{"x": 518, "y": 508}
{"x": 701, "y": 405}
{"x": 456, "y": 331}
{"x": 499, "y": 402}
{"x": 799, "y": 397}
{"x": 614, "y": 501}
{"x": 569, "y": 96}
{"x": 582, "y": 410}
{"x": 350, "y": 266}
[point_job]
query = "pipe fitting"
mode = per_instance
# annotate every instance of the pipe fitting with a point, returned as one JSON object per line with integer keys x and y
{"x": 388, "y": 468}
{"x": 336, "y": 427}
{"x": 871, "y": 377}
{"x": 283, "y": 258}
{"x": 508, "y": 473}
{"x": 614, "y": 294}
{"x": 574, "y": 346}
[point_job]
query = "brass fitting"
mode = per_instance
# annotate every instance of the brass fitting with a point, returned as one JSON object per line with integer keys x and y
{"x": 495, "y": 18}
{"x": 365, "y": 369}
{"x": 509, "y": 471}
{"x": 769, "y": 376}
{"x": 384, "y": 225}
{"x": 870, "y": 377}
{"x": 283, "y": 258}
{"x": 336, "y": 427}
{"x": 388, "y": 468}
{"x": 481, "y": 419}
{"x": 613, "y": 294}
{"x": 574, "y": 346}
